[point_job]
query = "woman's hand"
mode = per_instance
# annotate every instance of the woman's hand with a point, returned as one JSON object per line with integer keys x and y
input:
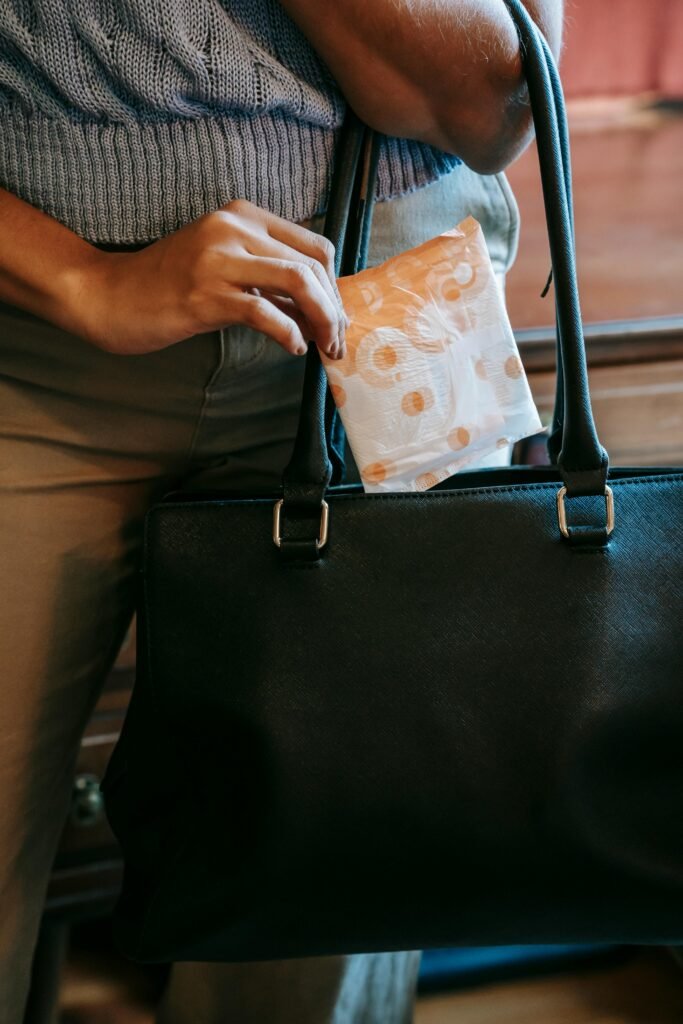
{"x": 239, "y": 264}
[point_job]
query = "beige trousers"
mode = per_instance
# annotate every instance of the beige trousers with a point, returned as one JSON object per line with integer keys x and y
{"x": 88, "y": 441}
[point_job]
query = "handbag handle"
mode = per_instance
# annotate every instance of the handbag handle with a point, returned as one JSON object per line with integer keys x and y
{"x": 358, "y": 261}
{"x": 582, "y": 461}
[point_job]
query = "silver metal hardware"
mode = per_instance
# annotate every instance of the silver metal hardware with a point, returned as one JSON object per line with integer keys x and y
{"x": 562, "y": 514}
{"x": 87, "y": 802}
{"x": 324, "y": 520}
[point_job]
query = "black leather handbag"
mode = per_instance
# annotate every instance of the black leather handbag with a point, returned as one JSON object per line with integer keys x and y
{"x": 409, "y": 720}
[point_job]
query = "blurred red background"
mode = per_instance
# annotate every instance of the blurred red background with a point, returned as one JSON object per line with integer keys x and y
{"x": 623, "y": 47}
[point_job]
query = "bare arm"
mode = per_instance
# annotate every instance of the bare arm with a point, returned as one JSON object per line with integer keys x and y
{"x": 239, "y": 264}
{"x": 446, "y": 72}
{"x": 43, "y": 265}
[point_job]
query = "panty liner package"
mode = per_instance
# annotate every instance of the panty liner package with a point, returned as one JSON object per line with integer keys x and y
{"x": 431, "y": 381}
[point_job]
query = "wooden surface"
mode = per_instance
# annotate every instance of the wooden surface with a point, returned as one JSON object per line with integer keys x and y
{"x": 638, "y": 410}
{"x": 628, "y": 184}
{"x": 610, "y": 343}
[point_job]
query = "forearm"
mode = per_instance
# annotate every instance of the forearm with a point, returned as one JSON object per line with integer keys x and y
{"x": 239, "y": 264}
{"x": 446, "y": 72}
{"x": 43, "y": 265}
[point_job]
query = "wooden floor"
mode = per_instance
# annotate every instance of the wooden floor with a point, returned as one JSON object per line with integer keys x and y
{"x": 628, "y": 185}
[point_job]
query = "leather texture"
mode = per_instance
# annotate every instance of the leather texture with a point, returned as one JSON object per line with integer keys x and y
{"x": 451, "y": 728}
{"x": 447, "y": 726}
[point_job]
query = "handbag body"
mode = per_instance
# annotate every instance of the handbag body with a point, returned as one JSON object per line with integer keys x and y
{"x": 410, "y": 720}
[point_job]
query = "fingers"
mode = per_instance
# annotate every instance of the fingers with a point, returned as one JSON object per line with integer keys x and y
{"x": 262, "y": 315}
{"x": 316, "y": 247}
{"x": 316, "y": 250}
{"x": 290, "y": 309}
{"x": 272, "y": 247}
{"x": 296, "y": 281}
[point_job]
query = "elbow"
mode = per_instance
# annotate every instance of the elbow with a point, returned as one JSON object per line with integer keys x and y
{"x": 489, "y": 131}
{"x": 489, "y": 152}
{"x": 476, "y": 108}
{"x": 482, "y": 117}
{"x": 485, "y": 118}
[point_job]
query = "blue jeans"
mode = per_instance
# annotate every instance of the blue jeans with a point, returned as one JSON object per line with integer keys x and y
{"x": 89, "y": 441}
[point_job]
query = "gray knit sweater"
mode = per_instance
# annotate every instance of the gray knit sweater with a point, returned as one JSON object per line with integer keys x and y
{"x": 125, "y": 119}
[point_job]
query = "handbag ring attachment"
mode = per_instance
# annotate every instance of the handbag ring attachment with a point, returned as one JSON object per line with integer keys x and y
{"x": 562, "y": 514}
{"x": 324, "y": 520}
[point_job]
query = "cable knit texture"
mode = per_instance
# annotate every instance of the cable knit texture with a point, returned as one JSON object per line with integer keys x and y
{"x": 125, "y": 119}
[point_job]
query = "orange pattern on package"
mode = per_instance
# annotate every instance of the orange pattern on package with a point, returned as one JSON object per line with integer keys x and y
{"x": 450, "y": 265}
{"x": 424, "y": 327}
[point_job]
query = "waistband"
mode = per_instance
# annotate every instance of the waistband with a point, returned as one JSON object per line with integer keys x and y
{"x": 129, "y": 183}
{"x": 113, "y": 247}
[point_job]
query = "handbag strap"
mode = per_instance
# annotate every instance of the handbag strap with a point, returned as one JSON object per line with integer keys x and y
{"x": 347, "y": 226}
{"x": 353, "y": 258}
{"x": 554, "y": 444}
{"x": 581, "y": 460}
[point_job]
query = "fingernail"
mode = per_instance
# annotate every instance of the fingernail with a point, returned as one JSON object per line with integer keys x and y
{"x": 302, "y": 350}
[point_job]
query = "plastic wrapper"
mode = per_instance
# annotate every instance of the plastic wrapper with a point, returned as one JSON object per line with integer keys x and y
{"x": 431, "y": 382}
